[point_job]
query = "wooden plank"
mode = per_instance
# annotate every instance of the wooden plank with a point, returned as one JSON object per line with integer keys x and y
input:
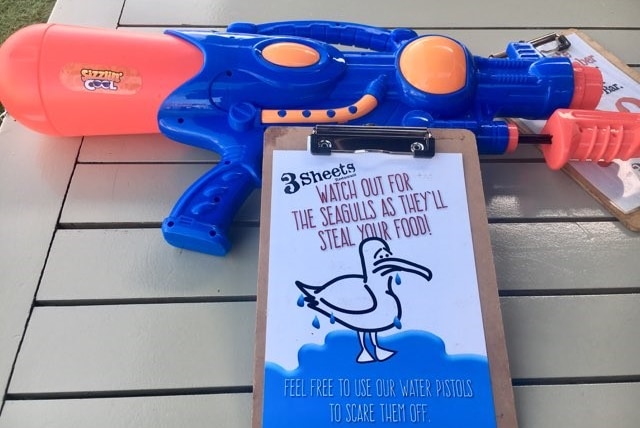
{"x": 205, "y": 345}
{"x": 195, "y": 411}
{"x": 584, "y": 406}
{"x": 140, "y": 193}
{"x": 533, "y": 191}
{"x": 572, "y": 336}
{"x": 141, "y": 148}
{"x": 93, "y": 265}
{"x": 415, "y": 13}
{"x": 125, "y": 193}
{"x": 82, "y": 12}
{"x": 136, "y": 347}
{"x": 538, "y": 258}
{"x": 553, "y": 257}
{"x": 34, "y": 172}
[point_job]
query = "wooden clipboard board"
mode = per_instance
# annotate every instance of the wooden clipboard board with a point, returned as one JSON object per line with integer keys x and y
{"x": 447, "y": 141}
{"x": 631, "y": 219}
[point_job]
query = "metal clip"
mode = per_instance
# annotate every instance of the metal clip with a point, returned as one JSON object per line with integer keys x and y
{"x": 326, "y": 139}
{"x": 562, "y": 44}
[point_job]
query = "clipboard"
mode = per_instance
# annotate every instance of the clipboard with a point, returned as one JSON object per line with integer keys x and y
{"x": 608, "y": 184}
{"x": 630, "y": 219}
{"x": 294, "y": 139}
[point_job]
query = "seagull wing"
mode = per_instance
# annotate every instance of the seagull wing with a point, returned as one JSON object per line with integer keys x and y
{"x": 347, "y": 294}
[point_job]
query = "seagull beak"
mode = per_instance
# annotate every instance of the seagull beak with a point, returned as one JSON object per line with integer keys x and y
{"x": 386, "y": 266}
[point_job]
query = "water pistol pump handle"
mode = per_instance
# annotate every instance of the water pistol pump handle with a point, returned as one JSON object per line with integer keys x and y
{"x": 591, "y": 135}
{"x": 340, "y": 33}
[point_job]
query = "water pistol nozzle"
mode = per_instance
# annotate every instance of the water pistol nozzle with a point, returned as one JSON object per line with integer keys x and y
{"x": 587, "y": 87}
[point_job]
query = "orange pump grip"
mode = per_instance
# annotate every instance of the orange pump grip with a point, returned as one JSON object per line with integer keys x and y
{"x": 591, "y": 135}
{"x": 72, "y": 81}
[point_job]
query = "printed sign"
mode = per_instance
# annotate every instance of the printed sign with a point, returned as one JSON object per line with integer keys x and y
{"x": 373, "y": 309}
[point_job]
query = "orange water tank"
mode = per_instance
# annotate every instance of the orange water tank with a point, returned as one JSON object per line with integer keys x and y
{"x": 72, "y": 81}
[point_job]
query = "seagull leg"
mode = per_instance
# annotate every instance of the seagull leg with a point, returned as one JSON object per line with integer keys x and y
{"x": 365, "y": 356}
{"x": 381, "y": 353}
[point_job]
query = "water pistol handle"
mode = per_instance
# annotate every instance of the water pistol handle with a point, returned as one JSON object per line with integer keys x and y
{"x": 201, "y": 218}
{"x": 591, "y": 135}
{"x": 340, "y": 33}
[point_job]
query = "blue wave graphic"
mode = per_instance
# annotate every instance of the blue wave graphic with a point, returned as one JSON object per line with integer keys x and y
{"x": 418, "y": 386}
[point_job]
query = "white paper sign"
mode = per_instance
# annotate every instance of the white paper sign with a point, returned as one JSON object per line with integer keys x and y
{"x": 373, "y": 309}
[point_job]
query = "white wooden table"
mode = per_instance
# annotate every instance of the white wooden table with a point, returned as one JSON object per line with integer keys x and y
{"x": 102, "y": 324}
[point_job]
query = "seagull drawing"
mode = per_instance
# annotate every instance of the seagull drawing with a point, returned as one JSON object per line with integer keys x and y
{"x": 365, "y": 302}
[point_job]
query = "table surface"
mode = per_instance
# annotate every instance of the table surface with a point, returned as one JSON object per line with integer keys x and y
{"x": 102, "y": 324}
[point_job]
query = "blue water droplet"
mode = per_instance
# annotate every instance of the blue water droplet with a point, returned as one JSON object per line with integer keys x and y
{"x": 332, "y": 318}
{"x": 316, "y": 322}
{"x": 398, "y": 280}
{"x": 301, "y": 300}
{"x": 397, "y": 323}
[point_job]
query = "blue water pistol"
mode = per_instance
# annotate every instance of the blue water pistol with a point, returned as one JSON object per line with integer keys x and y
{"x": 220, "y": 90}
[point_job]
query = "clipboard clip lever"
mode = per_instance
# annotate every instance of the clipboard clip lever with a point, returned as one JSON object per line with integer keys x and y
{"x": 562, "y": 43}
{"x": 327, "y": 139}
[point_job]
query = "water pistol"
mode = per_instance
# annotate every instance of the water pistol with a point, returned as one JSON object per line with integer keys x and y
{"x": 221, "y": 90}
